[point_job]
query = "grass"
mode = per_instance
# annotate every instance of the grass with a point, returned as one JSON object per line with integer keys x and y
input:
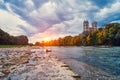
{"x": 10, "y": 46}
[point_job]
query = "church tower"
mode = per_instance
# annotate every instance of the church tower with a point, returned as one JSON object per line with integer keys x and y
{"x": 85, "y": 26}
{"x": 94, "y": 25}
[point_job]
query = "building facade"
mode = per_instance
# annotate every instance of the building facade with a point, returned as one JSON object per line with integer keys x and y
{"x": 87, "y": 28}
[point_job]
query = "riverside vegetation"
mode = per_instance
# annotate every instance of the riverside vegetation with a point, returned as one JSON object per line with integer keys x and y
{"x": 109, "y": 35}
{"x": 6, "y": 39}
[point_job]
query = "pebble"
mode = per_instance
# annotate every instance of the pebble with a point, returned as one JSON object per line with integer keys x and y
{"x": 2, "y": 74}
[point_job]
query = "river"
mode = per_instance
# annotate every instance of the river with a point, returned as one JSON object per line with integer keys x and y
{"x": 91, "y": 63}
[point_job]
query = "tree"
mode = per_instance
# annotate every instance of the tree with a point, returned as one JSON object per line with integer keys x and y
{"x": 22, "y": 40}
{"x": 117, "y": 38}
{"x": 110, "y": 35}
{"x": 37, "y": 44}
{"x": 67, "y": 40}
{"x": 5, "y": 39}
{"x": 76, "y": 40}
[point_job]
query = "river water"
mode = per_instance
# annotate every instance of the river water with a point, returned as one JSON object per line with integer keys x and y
{"x": 91, "y": 63}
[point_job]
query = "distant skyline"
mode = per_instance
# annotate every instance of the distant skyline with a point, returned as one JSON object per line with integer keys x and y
{"x": 50, "y": 19}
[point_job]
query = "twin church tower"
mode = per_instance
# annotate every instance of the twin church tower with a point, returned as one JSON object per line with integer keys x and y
{"x": 87, "y": 29}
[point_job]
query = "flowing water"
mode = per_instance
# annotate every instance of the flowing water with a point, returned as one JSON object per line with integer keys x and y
{"x": 92, "y": 63}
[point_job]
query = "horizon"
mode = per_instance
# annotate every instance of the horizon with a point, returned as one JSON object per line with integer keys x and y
{"x": 51, "y": 19}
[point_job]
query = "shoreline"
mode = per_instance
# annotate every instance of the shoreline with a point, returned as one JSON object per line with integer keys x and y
{"x": 33, "y": 64}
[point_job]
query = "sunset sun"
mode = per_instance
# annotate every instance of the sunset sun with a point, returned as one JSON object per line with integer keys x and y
{"x": 46, "y": 39}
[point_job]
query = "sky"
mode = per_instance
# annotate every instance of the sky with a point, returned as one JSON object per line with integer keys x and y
{"x": 50, "y": 19}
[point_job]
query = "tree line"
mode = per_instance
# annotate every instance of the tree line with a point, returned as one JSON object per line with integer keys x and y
{"x": 6, "y": 39}
{"x": 109, "y": 35}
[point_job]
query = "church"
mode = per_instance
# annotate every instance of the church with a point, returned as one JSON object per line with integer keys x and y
{"x": 87, "y": 29}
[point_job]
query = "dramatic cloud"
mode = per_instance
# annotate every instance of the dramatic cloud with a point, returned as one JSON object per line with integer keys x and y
{"x": 108, "y": 14}
{"x": 13, "y": 24}
{"x": 54, "y": 18}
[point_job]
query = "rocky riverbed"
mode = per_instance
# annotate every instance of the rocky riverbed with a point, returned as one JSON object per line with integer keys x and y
{"x": 32, "y": 64}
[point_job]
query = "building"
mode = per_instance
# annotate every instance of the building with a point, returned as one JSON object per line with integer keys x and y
{"x": 87, "y": 29}
{"x": 86, "y": 26}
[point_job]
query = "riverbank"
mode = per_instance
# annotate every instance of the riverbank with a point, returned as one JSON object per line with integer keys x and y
{"x": 32, "y": 64}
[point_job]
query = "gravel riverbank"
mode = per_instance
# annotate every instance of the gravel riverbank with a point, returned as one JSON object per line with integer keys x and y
{"x": 32, "y": 64}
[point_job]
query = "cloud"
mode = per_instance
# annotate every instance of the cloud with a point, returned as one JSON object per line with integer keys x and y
{"x": 113, "y": 9}
{"x": 10, "y": 22}
{"x": 37, "y": 18}
{"x": 2, "y": 1}
{"x": 108, "y": 14}
{"x": 50, "y": 12}
{"x": 57, "y": 30}
{"x": 103, "y": 3}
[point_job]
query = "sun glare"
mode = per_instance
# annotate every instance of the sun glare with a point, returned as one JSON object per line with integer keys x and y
{"x": 47, "y": 39}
